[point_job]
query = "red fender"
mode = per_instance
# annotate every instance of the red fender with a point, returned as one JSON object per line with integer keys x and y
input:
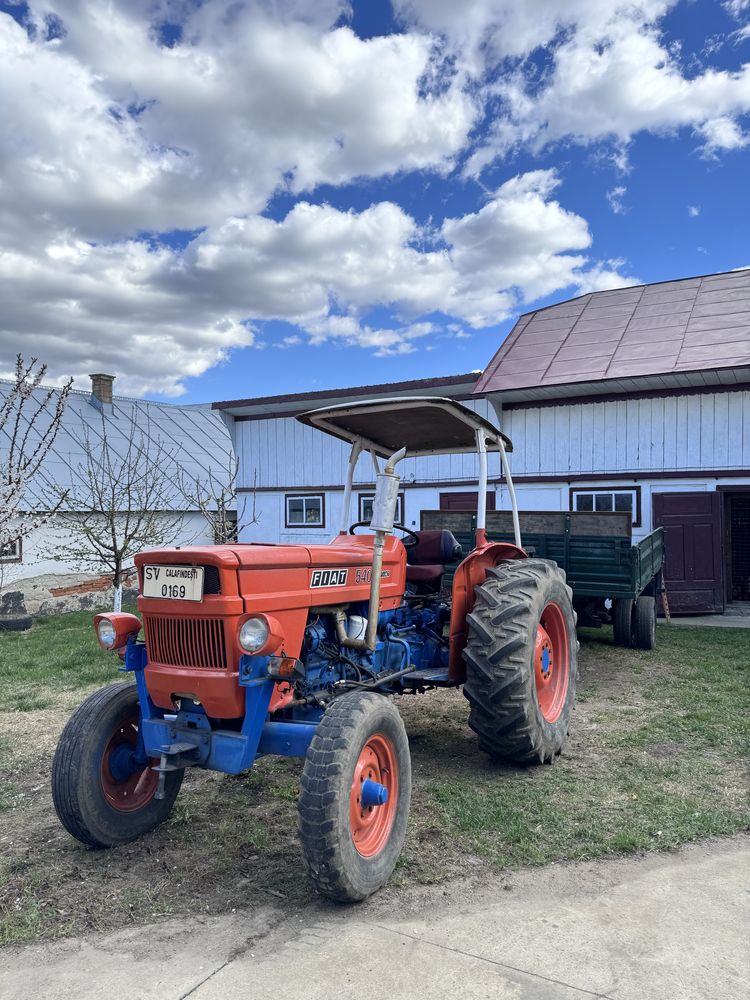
{"x": 470, "y": 573}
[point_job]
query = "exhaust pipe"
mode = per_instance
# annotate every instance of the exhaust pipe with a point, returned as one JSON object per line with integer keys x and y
{"x": 383, "y": 513}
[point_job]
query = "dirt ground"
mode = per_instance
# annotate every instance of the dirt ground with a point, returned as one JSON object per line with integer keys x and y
{"x": 630, "y": 780}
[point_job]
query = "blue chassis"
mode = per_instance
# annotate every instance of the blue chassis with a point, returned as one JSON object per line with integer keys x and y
{"x": 217, "y": 749}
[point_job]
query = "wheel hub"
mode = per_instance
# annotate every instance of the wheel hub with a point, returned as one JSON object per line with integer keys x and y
{"x": 128, "y": 784}
{"x": 374, "y": 793}
{"x": 551, "y": 662}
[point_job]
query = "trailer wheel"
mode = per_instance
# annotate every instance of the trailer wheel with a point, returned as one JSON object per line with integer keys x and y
{"x": 622, "y": 621}
{"x": 644, "y": 623}
{"x": 354, "y": 796}
{"x": 521, "y": 661}
{"x": 103, "y": 794}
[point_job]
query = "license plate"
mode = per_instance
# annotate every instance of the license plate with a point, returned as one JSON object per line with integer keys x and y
{"x": 173, "y": 583}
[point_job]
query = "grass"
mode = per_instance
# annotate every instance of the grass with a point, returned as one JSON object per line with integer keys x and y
{"x": 657, "y": 757}
{"x": 56, "y": 655}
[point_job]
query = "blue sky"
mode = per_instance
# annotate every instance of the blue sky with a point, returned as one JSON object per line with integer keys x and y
{"x": 225, "y": 200}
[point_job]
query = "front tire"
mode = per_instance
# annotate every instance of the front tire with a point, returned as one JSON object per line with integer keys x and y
{"x": 350, "y": 847}
{"x": 103, "y": 794}
{"x": 521, "y": 661}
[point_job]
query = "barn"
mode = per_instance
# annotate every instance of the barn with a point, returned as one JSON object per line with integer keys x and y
{"x": 632, "y": 400}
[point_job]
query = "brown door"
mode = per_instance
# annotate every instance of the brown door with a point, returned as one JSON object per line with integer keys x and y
{"x": 693, "y": 571}
{"x": 464, "y": 501}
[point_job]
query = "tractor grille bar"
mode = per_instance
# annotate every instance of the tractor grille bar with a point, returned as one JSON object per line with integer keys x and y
{"x": 186, "y": 642}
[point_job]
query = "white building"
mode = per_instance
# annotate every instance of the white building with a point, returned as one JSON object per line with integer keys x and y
{"x": 191, "y": 439}
{"x": 635, "y": 399}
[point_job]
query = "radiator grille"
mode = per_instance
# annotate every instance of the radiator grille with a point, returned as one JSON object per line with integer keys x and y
{"x": 186, "y": 642}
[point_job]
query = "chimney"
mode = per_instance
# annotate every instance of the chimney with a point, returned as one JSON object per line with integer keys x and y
{"x": 101, "y": 389}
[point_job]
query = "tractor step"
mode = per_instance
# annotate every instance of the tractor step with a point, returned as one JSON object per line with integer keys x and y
{"x": 437, "y": 677}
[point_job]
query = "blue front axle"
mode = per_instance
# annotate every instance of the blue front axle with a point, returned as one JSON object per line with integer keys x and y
{"x": 217, "y": 749}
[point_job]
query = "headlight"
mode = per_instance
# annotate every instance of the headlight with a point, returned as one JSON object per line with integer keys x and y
{"x": 107, "y": 633}
{"x": 114, "y": 629}
{"x": 254, "y": 634}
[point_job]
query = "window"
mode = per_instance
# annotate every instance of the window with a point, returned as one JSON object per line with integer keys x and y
{"x": 365, "y": 507}
{"x": 11, "y": 552}
{"x": 305, "y": 510}
{"x": 615, "y": 501}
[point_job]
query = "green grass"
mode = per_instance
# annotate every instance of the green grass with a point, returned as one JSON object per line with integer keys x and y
{"x": 668, "y": 770}
{"x": 56, "y": 655}
{"x": 658, "y": 756}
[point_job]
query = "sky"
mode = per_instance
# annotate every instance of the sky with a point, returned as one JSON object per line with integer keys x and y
{"x": 218, "y": 200}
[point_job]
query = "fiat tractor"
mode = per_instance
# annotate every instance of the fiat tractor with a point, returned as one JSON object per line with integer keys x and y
{"x": 252, "y": 649}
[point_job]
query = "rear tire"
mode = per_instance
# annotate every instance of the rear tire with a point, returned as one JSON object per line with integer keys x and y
{"x": 349, "y": 850}
{"x": 622, "y": 621}
{"x": 102, "y": 796}
{"x": 21, "y": 623}
{"x": 644, "y": 623}
{"x": 521, "y": 661}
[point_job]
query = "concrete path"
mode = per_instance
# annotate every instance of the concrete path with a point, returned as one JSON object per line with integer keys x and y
{"x": 667, "y": 927}
{"x": 709, "y": 621}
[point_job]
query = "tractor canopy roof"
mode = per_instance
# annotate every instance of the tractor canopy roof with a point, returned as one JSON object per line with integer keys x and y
{"x": 424, "y": 425}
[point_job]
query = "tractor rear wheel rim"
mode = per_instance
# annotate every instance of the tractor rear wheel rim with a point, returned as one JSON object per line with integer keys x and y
{"x": 127, "y": 785}
{"x": 552, "y": 662}
{"x": 371, "y": 825}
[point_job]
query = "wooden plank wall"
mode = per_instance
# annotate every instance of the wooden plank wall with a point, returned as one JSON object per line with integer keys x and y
{"x": 670, "y": 433}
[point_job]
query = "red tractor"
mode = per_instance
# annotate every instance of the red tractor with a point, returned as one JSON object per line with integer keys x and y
{"x": 253, "y": 649}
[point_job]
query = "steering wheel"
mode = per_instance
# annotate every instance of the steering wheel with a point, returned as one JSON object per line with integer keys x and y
{"x": 408, "y": 543}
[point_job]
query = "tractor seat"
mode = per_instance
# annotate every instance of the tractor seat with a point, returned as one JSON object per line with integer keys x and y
{"x": 427, "y": 558}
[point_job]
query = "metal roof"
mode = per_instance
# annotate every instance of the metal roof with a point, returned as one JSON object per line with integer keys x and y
{"x": 657, "y": 331}
{"x": 292, "y": 404}
{"x": 424, "y": 425}
{"x": 191, "y": 438}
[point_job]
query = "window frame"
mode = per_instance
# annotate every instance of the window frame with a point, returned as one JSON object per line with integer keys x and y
{"x": 635, "y": 490}
{"x": 17, "y": 556}
{"x": 361, "y": 497}
{"x": 305, "y": 496}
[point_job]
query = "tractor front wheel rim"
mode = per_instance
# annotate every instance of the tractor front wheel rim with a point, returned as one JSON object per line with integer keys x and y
{"x": 127, "y": 785}
{"x": 371, "y": 825}
{"x": 552, "y": 662}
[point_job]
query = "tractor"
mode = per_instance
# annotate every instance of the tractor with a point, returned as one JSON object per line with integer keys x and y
{"x": 293, "y": 649}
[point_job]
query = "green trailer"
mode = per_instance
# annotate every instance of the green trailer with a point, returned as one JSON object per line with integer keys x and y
{"x": 613, "y": 580}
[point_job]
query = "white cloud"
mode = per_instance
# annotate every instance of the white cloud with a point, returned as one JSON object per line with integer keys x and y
{"x": 247, "y": 104}
{"x": 614, "y": 197}
{"x": 108, "y": 135}
{"x": 157, "y": 315}
{"x": 721, "y": 134}
{"x": 693, "y": 211}
{"x": 610, "y": 74}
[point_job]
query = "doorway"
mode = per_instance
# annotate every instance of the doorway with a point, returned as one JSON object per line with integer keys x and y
{"x": 737, "y": 544}
{"x": 694, "y": 572}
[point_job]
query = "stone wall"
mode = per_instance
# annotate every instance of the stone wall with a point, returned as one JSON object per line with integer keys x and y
{"x": 59, "y": 593}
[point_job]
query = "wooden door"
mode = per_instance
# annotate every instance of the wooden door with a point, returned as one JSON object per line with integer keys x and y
{"x": 694, "y": 566}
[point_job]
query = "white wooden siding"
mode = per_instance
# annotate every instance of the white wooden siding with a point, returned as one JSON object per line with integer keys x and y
{"x": 669, "y": 433}
{"x": 660, "y": 434}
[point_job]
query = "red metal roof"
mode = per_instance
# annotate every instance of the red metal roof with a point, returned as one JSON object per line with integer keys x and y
{"x": 670, "y": 327}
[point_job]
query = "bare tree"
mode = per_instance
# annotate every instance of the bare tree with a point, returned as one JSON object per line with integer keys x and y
{"x": 215, "y": 496}
{"x": 29, "y": 422}
{"x": 121, "y": 501}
